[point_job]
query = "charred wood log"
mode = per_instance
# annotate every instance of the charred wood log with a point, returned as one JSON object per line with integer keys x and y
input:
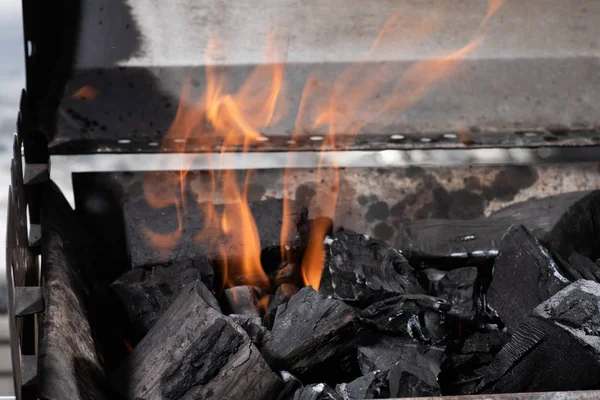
{"x": 364, "y": 270}
{"x": 308, "y": 331}
{"x": 555, "y": 349}
{"x": 460, "y": 241}
{"x": 382, "y": 353}
{"x": 419, "y": 316}
{"x": 194, "y": 352}
{"x": 146, "y": 294}
{"x": 68, "y": 357}
{"x": 524, "y": 276}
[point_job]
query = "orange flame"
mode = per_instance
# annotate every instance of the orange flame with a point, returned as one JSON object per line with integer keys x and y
{"x": 86, "y": 93}
{"x": 235, "y": 119}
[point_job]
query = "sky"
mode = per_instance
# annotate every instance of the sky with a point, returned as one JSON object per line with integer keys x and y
{"x": 12, "y": 81}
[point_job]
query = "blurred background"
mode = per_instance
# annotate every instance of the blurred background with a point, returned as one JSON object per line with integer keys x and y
{"x": 12, "y": 80}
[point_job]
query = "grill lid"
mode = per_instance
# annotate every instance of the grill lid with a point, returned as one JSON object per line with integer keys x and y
{"x": 110, "y": 79}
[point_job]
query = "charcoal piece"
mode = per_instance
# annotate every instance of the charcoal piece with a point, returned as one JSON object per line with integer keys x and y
{"x": 457, "y": 286}
{"x": 567, "y": 269}
{"x": 419, "y": 316}
{"x": 145, "y": 295}
{"x": 577, "y": 229}
{"x": 383, "y": 352}
{"x": 283, "y": 294}
{"x": 308, "y": 331}
{"x": 317, "y": 391}
{"x": 194, "y": 352}
{"x": 460, "y": 241}
{"x": 463, "y": 357}
{"x": 586, "y": 267}
{"x": 373, "y": 385}
{"x": 290, "y": 384}
{"x": 243, "y": 300}
{"x": 405, "y": 384}
{"x": 141, "y": 220}
{"x": 556, "y": 348}
{"x": 364, "y": 270}
{"x": 252, "y": 325}
{"x": 524, "y": 276}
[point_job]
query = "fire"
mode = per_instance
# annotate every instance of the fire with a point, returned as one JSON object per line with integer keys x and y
{"x": 232, "y": 120}
{"x": 86, "y": 93}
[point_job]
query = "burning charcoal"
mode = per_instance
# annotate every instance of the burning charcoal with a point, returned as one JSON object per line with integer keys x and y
{"x": 465, "y": 356}
{"x": 283, "y": 294}
{"x": 404, "y": 384}
{"x": 252, "y": 325}
{"x": 165, "y": 364}
{"x": 586, "y": 267}
{"x": 462, "y": 240}
{"x": 145, "y": 295}
{"x": 384, "y": 352}
{"x": 267, "y": 214}
{"x": 317, "y": 391}
{"x": 364, "y": 270}
{"x": 417, "y": 315}
{"x": 555, "y": 349}
{"x": 524, "y": 276}
{"x": 373, "y": 385}
{"x": 308, "y": 331}
{"x": 577, "y": 229}
{"x": 243, "y": 300}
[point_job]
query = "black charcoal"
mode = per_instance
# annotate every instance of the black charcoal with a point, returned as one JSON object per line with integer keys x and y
{"x": 317, "y": 391}
{"x": 165, "y": 364}
{"x": 458, "y": 241}
{"x": 457, "y": 286}
{"x": 146, "y": 294}
{"x": 373, "y": 385}
{"x": 556, "y": 348}
{"x": 524, "y": 276}
{"x": 290, "y": 385}
{"x": 364, "y": 270}
{"x": 586, "y": 267}
{"x": 383, "y": 352}
{"x": 283, "y": 294}
{"x": 252, "y": 325}
{"x": 404, "y": 384}
{"x": 243, "y": 300}
{"x": 464, "y": 356}
{"x": 308, "y": 331}
{"x": 577, "y": 229}
{"x": 419, "y": 316}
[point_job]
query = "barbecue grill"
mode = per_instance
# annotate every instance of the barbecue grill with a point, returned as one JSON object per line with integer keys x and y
{"x": 498, "y": 109}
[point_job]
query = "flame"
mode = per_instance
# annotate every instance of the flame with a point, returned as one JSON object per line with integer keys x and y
{"x": 333, "y": 111}
{"x": 86, "y": 93}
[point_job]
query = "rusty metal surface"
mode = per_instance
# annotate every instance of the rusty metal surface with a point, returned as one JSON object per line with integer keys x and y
{"x": 376, "y": 200}
{"x": 516, "y": 90}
